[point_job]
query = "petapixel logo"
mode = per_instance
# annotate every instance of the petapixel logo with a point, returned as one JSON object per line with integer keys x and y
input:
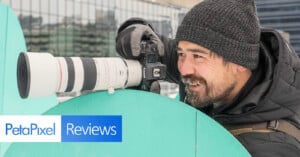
{"x": 30, "y": 128}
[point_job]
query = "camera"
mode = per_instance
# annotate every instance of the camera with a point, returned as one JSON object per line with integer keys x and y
{"x": 42, "y": 74}
{"x": 153, "y": 69}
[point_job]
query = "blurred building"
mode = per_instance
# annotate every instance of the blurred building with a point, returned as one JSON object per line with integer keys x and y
{"x": 88, "y": 27}
{"x": 283, "y": 15}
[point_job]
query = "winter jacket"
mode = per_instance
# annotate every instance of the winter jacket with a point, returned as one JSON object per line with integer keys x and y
{"x": 274, "y": 95}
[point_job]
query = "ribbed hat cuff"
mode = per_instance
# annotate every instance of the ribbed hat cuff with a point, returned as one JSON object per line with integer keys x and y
{"x": 241, "y": 53}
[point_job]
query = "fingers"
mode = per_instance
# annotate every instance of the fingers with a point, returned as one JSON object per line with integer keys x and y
{"x": 128, "y": 43}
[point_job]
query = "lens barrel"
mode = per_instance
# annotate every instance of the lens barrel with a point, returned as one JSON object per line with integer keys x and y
{"x": 42, "y": 74}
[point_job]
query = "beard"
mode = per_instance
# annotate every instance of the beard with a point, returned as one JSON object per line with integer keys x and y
{"x": 210, "y": 93}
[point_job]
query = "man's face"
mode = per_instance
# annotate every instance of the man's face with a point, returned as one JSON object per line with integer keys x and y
{"x": 208, "y": 79}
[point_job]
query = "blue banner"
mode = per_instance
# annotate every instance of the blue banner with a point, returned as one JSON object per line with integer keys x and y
{"x": 91, "y": 128}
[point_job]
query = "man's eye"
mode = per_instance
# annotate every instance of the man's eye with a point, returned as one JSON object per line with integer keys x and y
{"x": 180, "y": 54}
{"x": 197, "y": 56}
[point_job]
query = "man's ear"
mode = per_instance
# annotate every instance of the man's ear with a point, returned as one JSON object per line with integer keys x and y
{"x": 240, "y": 68}
{"x": 243, "y": 71}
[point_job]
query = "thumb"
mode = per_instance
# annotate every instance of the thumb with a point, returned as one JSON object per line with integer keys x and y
{"x": 159, "y": 44}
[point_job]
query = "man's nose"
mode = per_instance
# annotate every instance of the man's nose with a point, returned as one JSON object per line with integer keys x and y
{"x": 185, "y": 67}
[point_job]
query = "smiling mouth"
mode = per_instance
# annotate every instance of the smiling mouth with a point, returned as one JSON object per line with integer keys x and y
{"x": 195, "y": 85}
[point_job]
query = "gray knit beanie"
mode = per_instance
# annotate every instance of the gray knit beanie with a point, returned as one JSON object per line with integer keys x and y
{"x": 229, "y": 28}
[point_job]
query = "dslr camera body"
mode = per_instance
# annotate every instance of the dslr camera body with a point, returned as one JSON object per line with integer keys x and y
{"x": 153, "y": 69}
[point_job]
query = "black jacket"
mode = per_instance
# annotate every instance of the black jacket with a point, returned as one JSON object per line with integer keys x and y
{"x": 274, "y": 95}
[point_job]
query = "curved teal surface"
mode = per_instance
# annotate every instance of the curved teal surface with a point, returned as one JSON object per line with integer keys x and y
{"x": 152, "y": 126}
{"x": 12, "y": 42}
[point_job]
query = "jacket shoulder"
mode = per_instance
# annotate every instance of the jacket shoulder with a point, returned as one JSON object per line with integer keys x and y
{"x": 274, "y": 144}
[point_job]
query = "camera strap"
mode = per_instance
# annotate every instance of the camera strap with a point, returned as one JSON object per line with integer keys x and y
{"x": 266, "y": 127}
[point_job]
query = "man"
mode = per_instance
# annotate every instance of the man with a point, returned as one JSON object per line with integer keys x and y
{"x": 244, "y": 77}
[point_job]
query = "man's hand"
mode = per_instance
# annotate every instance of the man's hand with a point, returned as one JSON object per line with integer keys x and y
{"x": 130, "y": 36}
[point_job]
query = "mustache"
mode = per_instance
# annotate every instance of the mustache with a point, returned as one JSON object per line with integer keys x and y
{"x": 193, "y": 80}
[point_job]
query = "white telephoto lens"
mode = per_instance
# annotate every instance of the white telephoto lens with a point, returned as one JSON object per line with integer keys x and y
{"x": 41, "y": 74}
